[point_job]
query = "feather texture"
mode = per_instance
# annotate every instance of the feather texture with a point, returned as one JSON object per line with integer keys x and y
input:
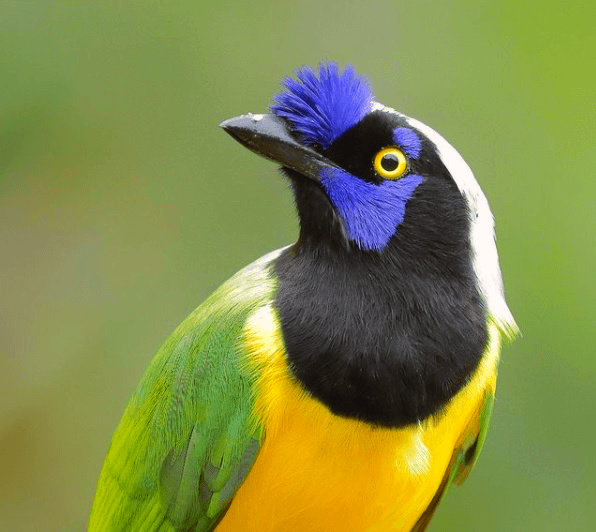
{"x": 321, "y": 108}
{"x": 370, "y": 212}
{"x": 318, "y": 471}
{"x": 189, "y": 434}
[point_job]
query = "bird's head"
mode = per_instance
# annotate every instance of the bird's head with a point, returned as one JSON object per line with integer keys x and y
{"x": 373, "y": 181}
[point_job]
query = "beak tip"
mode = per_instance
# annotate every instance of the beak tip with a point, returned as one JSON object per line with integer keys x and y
{"x": 240, "y": 128}
{"x": 225, "y": 124}
{"x": 247, "y": 121}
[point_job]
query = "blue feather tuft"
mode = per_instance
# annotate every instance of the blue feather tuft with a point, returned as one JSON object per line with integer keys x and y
{"x": 321, "y": 108}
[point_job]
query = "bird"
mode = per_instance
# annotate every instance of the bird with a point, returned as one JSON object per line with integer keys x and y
{"x": 343, "y": 382}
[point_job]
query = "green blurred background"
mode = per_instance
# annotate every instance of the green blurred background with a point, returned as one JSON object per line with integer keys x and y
{"x": 122, "y": 205}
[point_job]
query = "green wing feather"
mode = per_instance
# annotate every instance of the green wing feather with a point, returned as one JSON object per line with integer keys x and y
{"x": 462, "y": 462}
{"x": 467, "y": 457}
{"x": 188, "y": 437}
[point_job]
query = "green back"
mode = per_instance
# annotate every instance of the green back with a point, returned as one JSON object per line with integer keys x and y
{"x": 188, "y": 437}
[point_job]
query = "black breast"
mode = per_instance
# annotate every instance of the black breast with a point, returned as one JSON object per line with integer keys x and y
{"x": 389, "y": 337}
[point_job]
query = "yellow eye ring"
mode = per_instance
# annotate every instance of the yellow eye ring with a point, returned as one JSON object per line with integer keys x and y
{"x": 390, "y": 163}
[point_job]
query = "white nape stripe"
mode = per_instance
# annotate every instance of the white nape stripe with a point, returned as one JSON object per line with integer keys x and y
{"x": 485, "y": 259}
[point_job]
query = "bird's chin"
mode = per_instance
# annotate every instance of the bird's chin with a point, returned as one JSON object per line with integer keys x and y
{"x": 319, "y": 221}
{"x": 305, "y": 189}
{"x": 293, "y": 175}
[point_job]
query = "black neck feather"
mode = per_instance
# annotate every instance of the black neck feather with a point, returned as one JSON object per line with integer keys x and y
{"x": 391, "y": 337}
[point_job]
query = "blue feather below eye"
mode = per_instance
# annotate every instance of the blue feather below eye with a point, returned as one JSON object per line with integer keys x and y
{"x": 371, "y": 213}
{"x": 321, "y": 108}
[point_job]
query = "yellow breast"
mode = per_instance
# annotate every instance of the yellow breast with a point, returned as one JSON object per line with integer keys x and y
{"x": 320, "y": 472}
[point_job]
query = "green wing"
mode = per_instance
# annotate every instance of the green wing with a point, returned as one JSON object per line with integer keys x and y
{"x": 462, "y": 462}
{"x": 467, "y": 457}
{"x": 188, "y": 436}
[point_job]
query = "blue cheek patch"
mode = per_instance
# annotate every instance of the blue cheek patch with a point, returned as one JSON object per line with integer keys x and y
{"x": 371, "y": 213}
{"x": 408, "y": 140}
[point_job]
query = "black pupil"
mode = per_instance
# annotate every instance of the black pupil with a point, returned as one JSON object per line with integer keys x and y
{"x": 389, "y": 162}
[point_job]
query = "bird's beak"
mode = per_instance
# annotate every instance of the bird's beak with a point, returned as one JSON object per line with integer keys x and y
{"x": 269, "y": 136}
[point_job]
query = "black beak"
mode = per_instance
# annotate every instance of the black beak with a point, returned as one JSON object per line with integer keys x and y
{"x": 269, "y": 136}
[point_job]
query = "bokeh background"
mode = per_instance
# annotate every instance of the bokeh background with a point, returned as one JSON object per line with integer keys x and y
{"x": 122, "y": 205}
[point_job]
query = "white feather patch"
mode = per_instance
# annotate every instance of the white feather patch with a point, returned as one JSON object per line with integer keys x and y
{"x": 417, "y": 458}
{"x": 485, "y": 259}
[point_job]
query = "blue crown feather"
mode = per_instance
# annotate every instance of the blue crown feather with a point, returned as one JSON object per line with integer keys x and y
{"x": 321, "y": 108}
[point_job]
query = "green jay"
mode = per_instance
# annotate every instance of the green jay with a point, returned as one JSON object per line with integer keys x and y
{"x": 345, "y": 381}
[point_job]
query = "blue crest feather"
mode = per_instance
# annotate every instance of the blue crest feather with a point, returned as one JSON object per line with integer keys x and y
{"x": 321, "y": 108}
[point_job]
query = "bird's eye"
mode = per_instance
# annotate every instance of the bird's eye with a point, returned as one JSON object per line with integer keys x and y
{"x": 390, "y": 163}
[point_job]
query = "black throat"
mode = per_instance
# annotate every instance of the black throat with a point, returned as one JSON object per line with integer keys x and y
{"x": 388, "y": 338}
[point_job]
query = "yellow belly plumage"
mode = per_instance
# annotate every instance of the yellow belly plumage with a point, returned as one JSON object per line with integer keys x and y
{"x": 320, "y": 472}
